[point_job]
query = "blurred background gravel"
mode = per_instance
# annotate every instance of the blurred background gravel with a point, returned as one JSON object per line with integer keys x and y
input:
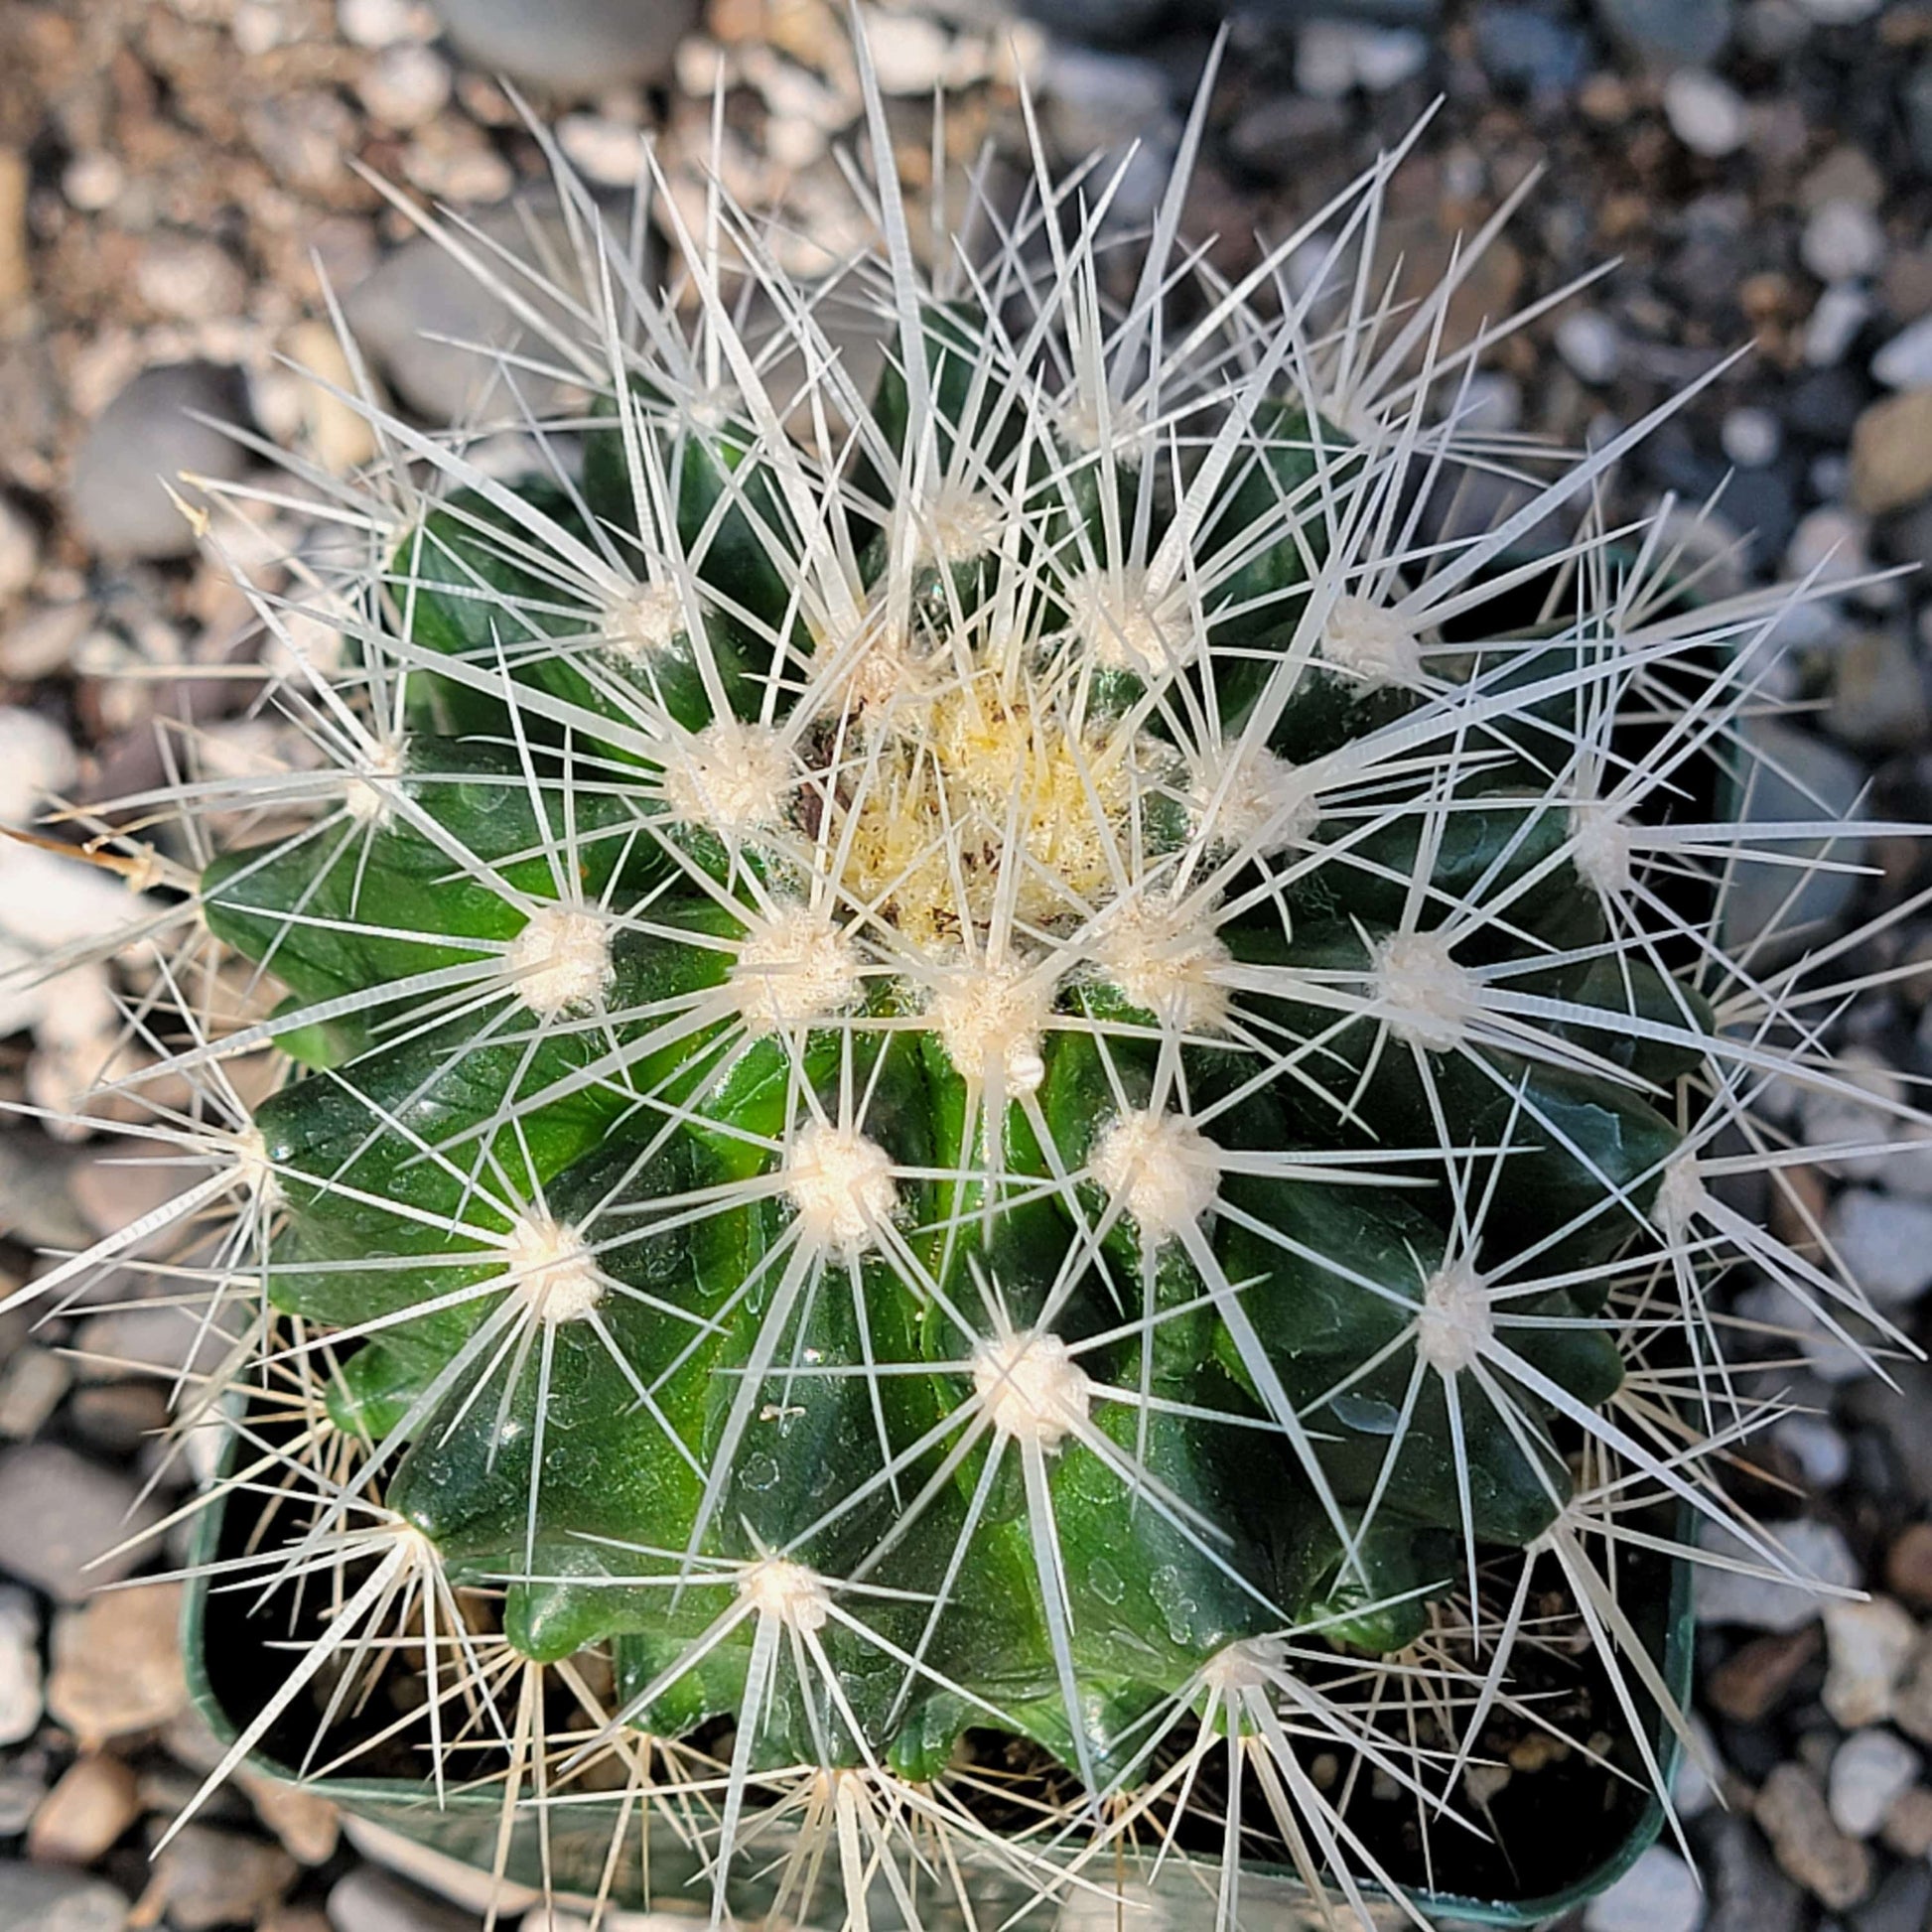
{"x": 178, "y": 179}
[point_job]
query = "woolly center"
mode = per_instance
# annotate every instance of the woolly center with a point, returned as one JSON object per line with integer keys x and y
{"x": 648, "y": 621}
{"x": 1456, "y": 1318}
{"x": 552, "y": 1269}
{"x": 1247, "y": 1664}
{"x": 990, "y": 1017}
{"x": 1681, "y": 1197}
{"x": 1032, "y": 1388}
{"x": 1371, "y": 644}
{"x": 1163, "y": 1171}
{"x": 734, "y": 777}
{"x": 561, "y": 959}
{"x": 1426, "y": 996}
{"x": 794, "y": 969}
{"x": 979, "y": 804}
{"x": 842, "y": 1187}
{"x": 1254, "y": 799}
{"x": 1599, "y": 846}
{"x": 1166, "y": 958}
{"x": 368, "y": 792}
{"x": 788, "y": 1591}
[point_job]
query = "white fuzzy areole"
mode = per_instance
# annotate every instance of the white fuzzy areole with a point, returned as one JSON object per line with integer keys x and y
{"x": 560, "y": 960}
{"x": 1078, "y": 420}
{"x": 1163, "y": 1171}
{"x": 1247, "y": 1664}
{"x": 961, "y": 525}
{"x": 1599, "y": 846}
{"x": 552, "y": 1268}
{"x": 648, "y": 621}
{"x": 1166, "y": 958}
{"x": 795, "y": 968}
{"x": 842, "y": 1187}
{"x": 368, "y": 794}
{"x": 253, "y": 1168}
{"x": 1456, "y": 1318}
{"x": 1682, "y": 1196}
{"x": 1032, "y": 1388}
{"x": 1427, "y": 996}
{"x": 1110, "y": 614}
{"x": 991, "y": 1017}
{"x": 788, "y": 1592}
{"x": 1371, "y": 644}
{"x": 734, "y": 777}
{"x": 1252, "y": 797}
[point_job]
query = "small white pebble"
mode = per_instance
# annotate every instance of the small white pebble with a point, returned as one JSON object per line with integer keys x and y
{"x": 607, "y": 151}
{"x": 93, "y": 181}
{"x": 382, "y": 23}
{"x": 1658, "y": 1893}
{"x": 1753, "y": 438}
{"x": 1836, "y": 318}
{"x": 1871, "y": 1770}
{"x": 1818, "y": 1449}
{"x": 406, "y": 86}
{"x": 1905, "y": 363}
{"x": 1841, "y": 240}
{"x": 1589, "y": 341}
{"x": 1705, "y": 113}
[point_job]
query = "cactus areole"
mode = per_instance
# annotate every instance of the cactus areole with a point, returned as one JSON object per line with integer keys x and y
{"x": 1020, "y": 1053}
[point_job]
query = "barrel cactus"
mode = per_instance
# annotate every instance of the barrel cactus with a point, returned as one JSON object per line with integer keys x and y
{"x": 1012, "y": 1054}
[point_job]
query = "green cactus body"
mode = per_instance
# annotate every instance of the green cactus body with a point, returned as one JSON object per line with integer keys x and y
{"x": 918, "y": 1148}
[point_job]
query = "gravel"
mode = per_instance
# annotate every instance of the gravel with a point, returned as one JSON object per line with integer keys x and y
{"x": 43, "y": 1898}
{"x": 64, "y": 1521}
{"x": 570, "y": 47}
{"x": 1870, "y": 1771}
{"x": 1658, "y": 1893}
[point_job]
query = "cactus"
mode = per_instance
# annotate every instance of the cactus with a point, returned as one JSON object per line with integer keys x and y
{"x": 1004, "y": 1057}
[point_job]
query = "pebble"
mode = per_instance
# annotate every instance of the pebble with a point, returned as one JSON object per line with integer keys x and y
{"x": 1833, "y": 325}
{"x": 1841, "y": 13}
{"x": 371, "y": 1900}
{"x": 382, "y": 23}
{"x": 43, "y": 1898}
{"x": 58, "y": 1513}
{"x": 570, "y": 47}
{"x": 1908, "y": 1564}
{"x": 1751, "y": 1682}
{"x": 1892, "y": 453}
{"x": 1907, "y": 1829}
{"x": 20, "y": 1665}
{"x": 1816, "y": 1550}
{"x": 1884, "y": 1243}
{"x": 1705, "y": 113}
{"x": 31, "y": 1387}
{"x": 405, "y": 85}
{"x": 1691, "y": 1792}
{"x": 80, "y": 1820}
{"x": 118, "y": 1665}
{"x": 1870, "y": 1646}
{"x": 1590, "y": 342}
{"x": 420, "y": 291}
{"x": 1905, "y": 362}
{"x": 1819, "y": 1448}
{"x": 1791, "y": 1810}
{"x": 188, "y": 278}
{"x": 909, "y": 53}
{"x": 1793, "y": 776}
{"x": 1749, "y": 1893}
{"x": 1527, "y": 51}
{"x": 1658, "y": 1893}
{"x": 608, "y": 152}
{"x": 1666, "y": 33}
{"x": 1334, "y": 57}
{"x": 1841, "y": 241}
{"x": 1870, "y": 1772}
{"x": 144, "y": 436}
{"x": 40, "y": 644}
{"x": 20, "y": 550}
{"x": 1751, "y": 437}
{"x": 1878, "y": 703}
{"x": 206, "y": 1877}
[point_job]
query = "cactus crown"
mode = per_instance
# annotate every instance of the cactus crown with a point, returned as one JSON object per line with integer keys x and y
{"x": 1004, "y": 1054}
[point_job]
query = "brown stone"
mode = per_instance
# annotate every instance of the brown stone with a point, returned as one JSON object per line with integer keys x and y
{"x": 1892, "y": 453}
{"x": 1791, "y": 1811}
{"x": 1752, "y": 1681}
{"x": 1908, "y": 1565}
{"x": 95, "y": 1801}
{"x": 1908, "y": 1826}
{"x": 118, "y": 1665}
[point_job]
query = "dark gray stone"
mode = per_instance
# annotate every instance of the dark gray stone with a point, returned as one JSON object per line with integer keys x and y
{"x": 44, "y": 1898}
{"x": 58, "y": 1513}
{"x": 141, "y": 443}
{"x": 1666, "y": 33}
{"x": 1749, "y": 1893}
{"x": 1527, "y": 51}
{"x": 570, "y": 47}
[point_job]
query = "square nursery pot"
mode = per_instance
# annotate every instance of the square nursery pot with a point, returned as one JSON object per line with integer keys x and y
{"x": 455, "y": 1844}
